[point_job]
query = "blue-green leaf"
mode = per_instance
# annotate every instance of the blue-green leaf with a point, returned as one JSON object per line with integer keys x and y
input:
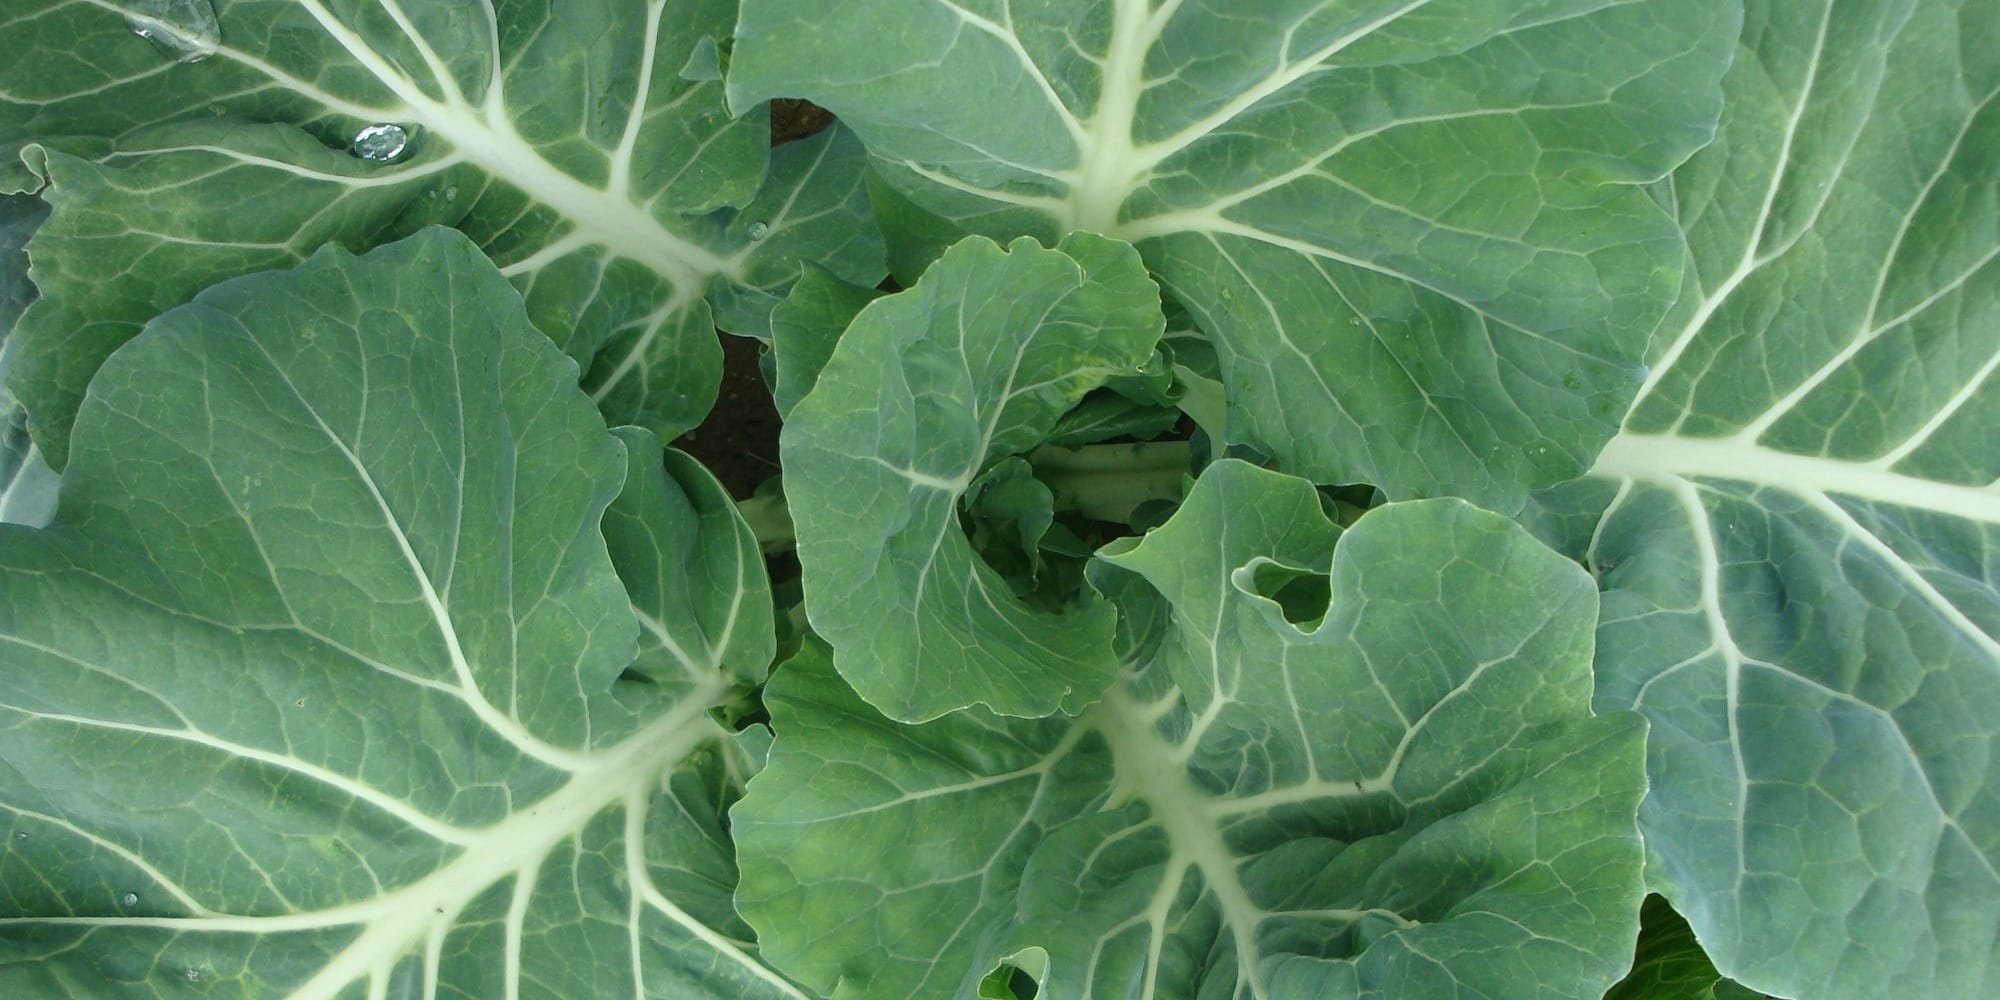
{"x": 1414, "y": 228}
{"x": 925, "y": 390}
{"x": 1409, "y": 798}
{"x": 315, "y": 686}
{"x": 621, "y": 198}
{"x": 1798, "y": 528}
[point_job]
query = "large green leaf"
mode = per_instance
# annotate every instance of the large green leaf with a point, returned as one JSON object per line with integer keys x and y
{"x": 1407, "y": 799}
{"x": 567, "y": 139}
{"x": 1798, "y": 530}
{"x": 924, "y": 391}
{"x": 1412, "y": 226}
{"x": 315, "y": 687}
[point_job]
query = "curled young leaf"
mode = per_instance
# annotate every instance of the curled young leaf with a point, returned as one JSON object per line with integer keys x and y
{"x": 924, "y": 391}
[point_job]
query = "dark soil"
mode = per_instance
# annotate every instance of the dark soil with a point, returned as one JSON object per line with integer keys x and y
{"x": 739, "y": 440}
{"x": 795, "y": 119}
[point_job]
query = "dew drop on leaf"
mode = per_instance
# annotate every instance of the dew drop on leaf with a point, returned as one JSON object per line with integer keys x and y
{"x": 183, "y": 30}
{"x": 130, "y": 899}
{"x": 383, "y": 143}
{"x": 759, "y": 230}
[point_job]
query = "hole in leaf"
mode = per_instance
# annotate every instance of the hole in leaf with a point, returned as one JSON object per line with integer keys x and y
{"x": 1301, "y": 594}
{"x": 1009, "y": 982}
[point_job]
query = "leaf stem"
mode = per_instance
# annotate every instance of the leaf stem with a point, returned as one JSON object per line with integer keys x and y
{"x": 1107, "y": 482}
{"x": 770, "y": 519}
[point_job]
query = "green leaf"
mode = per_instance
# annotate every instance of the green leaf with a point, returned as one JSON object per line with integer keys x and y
{"x": 1414, "y": 227}
{"x": 925, "y": 390}
{"x": 28, "y": 486}
{"x": 1409, "y": 800}
{"x": 812, "y": 211}
{"x": 1798, "y": 528}
{"x": 692, "y": 568}
{"x": 804, "y": 329}
{"x": 1011, "y": 511}
{"x": 618, "y": 196}
{"x": 312, "y": 688}
{"x": 1670, "y": 964}
{"x": 1106, "y": 414}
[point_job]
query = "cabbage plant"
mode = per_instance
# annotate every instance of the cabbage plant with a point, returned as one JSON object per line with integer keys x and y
{"x": 1275, "y": 499}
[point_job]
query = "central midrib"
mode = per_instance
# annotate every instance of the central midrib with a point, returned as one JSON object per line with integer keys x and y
{"x": 1665, "y": 458}
{"x": 618, "y": 224}
{"x": 513, "y": 847}
{"x": 1148, "y": 769}
{"x": 1104, "y": 176}
{"x": 486, "y": 137}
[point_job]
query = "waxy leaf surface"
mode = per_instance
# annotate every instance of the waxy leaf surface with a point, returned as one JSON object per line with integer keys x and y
{"x": 1798, "y": 529}
{"x": 1412, "y": 227}
{"x": 616, "y": 192}
{"x": 317, "y": 685}
{"x": 1408, "y": 798}
{"x": 923, "y": 392}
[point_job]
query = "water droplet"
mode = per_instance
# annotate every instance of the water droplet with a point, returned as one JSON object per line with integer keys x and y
{"x": 451, "y": 193}
{"x": 382, "y": 143}
{"x": 129, "y": 899}
{"x": 183, "y": 30}
{"x": 193, "y": 975}
{"x": 759, "y": 230}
